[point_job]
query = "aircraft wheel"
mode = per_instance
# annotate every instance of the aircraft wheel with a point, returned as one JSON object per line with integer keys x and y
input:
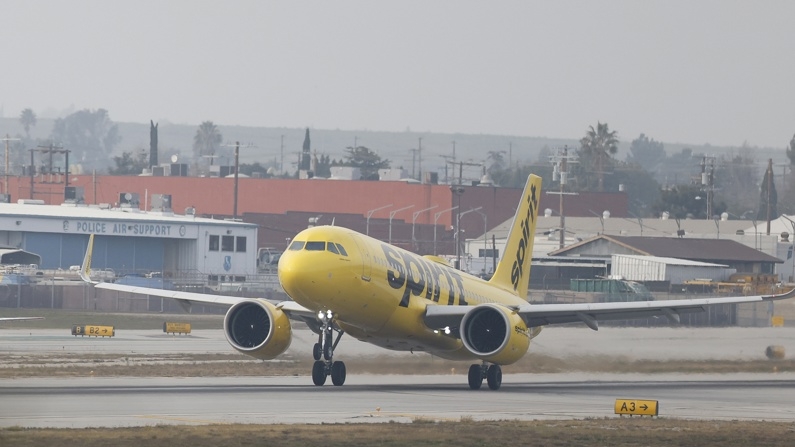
{"x": 475, "y": 377}
{"x": 317, "y": 351}
{"x": 319, "y": 373}
{"x": 328, "y": 351}
{"x": 494, "y": 377}
{"x": 338, "y": 373}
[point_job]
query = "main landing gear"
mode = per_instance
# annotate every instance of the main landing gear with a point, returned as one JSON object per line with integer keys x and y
{"x": 492, "y": 374}
{"x": 323, "y": 353}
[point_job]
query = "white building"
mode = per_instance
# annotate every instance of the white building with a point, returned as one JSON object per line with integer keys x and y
{"x": 132, "y": 241}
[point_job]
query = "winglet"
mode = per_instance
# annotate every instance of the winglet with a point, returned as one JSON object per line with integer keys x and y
{"x": 85, "y": 269}
{"x": 513, "y": 271}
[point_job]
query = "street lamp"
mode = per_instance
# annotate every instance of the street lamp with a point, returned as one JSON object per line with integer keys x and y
{"x": 485, "y": 240}
{"x": 414, "y": 219}
{"x": 370, "y": 213}
{"x": 435, "y": 220}
{"x": 391, "y": 215}
{"x": 458, "y": 235}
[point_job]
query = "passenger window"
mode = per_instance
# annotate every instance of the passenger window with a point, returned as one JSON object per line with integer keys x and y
{"x": 296, "y": 245}
{"x": 315, "y": 246}
{"x": 342, "y": 250}
{"x": 332, "y": 248}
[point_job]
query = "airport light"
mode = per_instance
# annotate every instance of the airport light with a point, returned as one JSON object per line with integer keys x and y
{"x": 485, "y": 240}
{"x": 370, "y": 213}
{"x": 458, "y": 235}
{"x": 414, "y": 220}
{"x": 391, "y": 215}
{"x": 435, "y": 220}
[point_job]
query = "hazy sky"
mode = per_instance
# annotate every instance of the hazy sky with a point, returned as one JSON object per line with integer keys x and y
{"x": 719, "y": 72}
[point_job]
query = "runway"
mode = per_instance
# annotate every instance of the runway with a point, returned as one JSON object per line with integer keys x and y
{"x": 126, "y": 401}
{"x": 118, "y": 402}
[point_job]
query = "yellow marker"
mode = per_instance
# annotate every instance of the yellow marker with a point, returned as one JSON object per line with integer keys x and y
{"x": 93, "y": 330}
{"x": 777, "y": 321}
{"x": 176, "y": 328}
{"x": 637, "y": 407}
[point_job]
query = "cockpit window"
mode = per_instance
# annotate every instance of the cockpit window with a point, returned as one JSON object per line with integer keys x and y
{"x": 315, "y": 246}
{"x": 340, "y": 248}
{"x": 332, "y": 248}
{"x": 296, "y": 245}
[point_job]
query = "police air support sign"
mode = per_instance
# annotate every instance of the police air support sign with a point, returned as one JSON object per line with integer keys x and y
{"x": 117, "y": 228}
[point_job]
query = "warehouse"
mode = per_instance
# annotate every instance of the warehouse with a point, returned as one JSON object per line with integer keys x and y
{"x": 132, "y": 242}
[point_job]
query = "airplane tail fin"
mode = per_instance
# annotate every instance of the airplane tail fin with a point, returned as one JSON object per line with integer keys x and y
{"x": 513, "y": 271}
{"x": 85, "y": 269}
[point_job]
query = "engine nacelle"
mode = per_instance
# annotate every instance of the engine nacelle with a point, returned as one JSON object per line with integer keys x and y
{"x": 495, "y": 334}
{"x": 257, "y": 328}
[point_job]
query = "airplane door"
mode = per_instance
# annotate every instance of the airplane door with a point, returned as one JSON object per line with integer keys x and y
{"x": 367, "y": 268}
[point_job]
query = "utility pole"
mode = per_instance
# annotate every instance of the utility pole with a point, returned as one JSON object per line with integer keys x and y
{"x": 281, "y": 161}
{"x": 237, "y": 165}
{"x": 560, "y": 172}
{"x": 769, "y": 187}
{"x": 708, "y": 182}
{"x": 419, "y": 156}
{"x": 5, "y": 184}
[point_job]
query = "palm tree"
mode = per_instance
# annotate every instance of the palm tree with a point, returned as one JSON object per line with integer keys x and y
{"x": 27, "y": 118}
{"x": 207, "y": 140}
{"x": 598, "y": 145}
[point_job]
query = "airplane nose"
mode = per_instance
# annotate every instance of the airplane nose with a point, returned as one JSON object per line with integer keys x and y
{"x": 305, "y": 277}
{"x": 291, "y": 276}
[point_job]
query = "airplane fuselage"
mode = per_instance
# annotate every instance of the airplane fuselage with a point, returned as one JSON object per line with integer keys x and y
{"x": 378, "y": 292}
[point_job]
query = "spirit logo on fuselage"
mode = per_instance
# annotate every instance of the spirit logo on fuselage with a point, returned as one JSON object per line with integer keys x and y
{"x": 417, "y": 276}
{"x": 517, "y": 269}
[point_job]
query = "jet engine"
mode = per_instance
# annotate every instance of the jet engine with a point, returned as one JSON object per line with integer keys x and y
{"x": 258, "y": 329}
{"x": 495, "y": 334}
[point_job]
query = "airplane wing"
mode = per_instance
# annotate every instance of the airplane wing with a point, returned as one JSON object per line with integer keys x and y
{"x": 185, "y": 299}
{"x": 20, "y": 318}
{"x": 536, "y": 315}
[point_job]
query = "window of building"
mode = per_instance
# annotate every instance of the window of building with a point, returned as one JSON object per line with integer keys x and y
{"x": 214, "y": 239}
{"x": 488, "y": 253}
{"x": 240, "y": 244}
{"x": 296, "y": 245}
{"x": 227, "y": 243}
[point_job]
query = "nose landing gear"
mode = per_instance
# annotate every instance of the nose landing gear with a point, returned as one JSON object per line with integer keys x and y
{"x": 323, "y": 353}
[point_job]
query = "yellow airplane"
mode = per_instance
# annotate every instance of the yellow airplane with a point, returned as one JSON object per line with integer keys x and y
{"x": 341, "y": 281}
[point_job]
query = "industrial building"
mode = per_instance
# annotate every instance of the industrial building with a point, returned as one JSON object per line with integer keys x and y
{"x": 130, "y": 241}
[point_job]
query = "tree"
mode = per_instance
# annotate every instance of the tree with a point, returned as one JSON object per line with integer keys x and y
{"x": 129, "y": 164}
{"x": 250, "y": 169}
{"x": 496, "y": 161}
{"x": 207, "y": 141}
{"x": 767, "y": 199}
{"x": 323, "y": 167}
{"x": 89, "y": 135}
{"x": 791, "y": 151}
{"x": 596, "y": 149}
{"x": 646, "y": 152}
{"x": 366, "y": 160}
{"x": 685, "y": 201}
{"x": 27, "y": 118}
